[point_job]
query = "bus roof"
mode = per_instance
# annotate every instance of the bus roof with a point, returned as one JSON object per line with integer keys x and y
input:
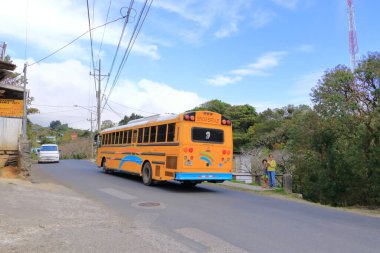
{"x": 143, "y": 121}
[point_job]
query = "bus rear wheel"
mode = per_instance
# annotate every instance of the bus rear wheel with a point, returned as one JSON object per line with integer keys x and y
{"x": 103, "y": 167}
{"x": 147, "y": 174}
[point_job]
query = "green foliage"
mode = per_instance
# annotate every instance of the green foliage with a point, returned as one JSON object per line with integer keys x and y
{"x": 107, "y": 124}
{"x": 214, "y": 105}
{"x": 55, "y": 124}
{"x": 336, "y": 147}
{"x": 126, "y": 119}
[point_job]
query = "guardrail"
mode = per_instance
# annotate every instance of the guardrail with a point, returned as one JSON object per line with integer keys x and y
{"x": 283, "y": 180}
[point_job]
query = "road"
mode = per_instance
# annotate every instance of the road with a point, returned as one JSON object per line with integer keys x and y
{"x": 217, "y": 218}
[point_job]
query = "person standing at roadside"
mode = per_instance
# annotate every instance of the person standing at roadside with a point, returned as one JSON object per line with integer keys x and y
{"x": 264, "y": 168}
{"x": 272, "y": 171}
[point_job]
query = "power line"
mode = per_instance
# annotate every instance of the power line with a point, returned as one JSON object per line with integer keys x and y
{"x": 104, "y": 30}
{"x": 132, "y": 108}
{"x": 118, "y": 46}
{"x": 74, "y": 40}
{"x": 92, "y": 50}
{"x": 132, "y": 40}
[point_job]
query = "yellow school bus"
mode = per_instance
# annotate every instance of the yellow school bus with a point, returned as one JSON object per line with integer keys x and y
{"x": 190, "y": 147}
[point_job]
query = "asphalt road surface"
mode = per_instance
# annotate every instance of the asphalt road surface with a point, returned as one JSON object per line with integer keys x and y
{"x": 224, "y": 220}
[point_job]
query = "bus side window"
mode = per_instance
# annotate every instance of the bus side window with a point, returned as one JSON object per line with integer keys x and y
{"x": 140, "y": 137}
{"x": 125, "y": 136}
{"x": 108, "y": 139}
{"x": 113, "y": 138}
{"x": 129, "y": 140}
{"x": 117, "y": 138}
{"x": 161, "y": 133}
{"x": 146, "y": 135}
{"x": 171, "y": 129}
{"x": 134, "y": 137}
{"x": 153, "y": 131}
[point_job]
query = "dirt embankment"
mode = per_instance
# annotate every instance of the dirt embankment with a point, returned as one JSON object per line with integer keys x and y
{"x": 10, "y": 172}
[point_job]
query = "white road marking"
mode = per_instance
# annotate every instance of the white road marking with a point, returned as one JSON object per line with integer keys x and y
{"x": 144, "y": 220}
{"x": 215, "y": 244}
{"x": 118, "y": 194}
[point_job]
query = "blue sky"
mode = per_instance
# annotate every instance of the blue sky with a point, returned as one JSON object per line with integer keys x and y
{"x": 267, "y": 53}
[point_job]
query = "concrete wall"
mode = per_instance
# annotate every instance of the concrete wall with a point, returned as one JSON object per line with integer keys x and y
{"x": 10, "y": 130}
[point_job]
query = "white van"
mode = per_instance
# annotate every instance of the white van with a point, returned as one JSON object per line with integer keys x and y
{"x": 48, "y": 153}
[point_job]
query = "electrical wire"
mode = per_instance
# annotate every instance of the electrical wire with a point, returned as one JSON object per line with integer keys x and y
{"x": 118, "y": 47}
{"x": 132, "y": 108}
{"x": 104, "y": 30}
{"x": 74, "y": 40}
{"x": 92, "y": 49}
{"x": 132, "y": 40}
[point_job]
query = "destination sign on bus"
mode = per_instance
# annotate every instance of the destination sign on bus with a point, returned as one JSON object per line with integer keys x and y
{"x": 207, "y": 117}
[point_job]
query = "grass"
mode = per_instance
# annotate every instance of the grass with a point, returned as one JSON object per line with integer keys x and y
{"x": 242, "y": 182}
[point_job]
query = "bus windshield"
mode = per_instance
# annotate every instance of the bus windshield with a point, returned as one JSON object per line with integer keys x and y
{"x": 200, "y": 134}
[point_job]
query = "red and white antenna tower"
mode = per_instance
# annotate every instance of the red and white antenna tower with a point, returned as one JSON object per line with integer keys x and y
{"x": 353, "y": 40}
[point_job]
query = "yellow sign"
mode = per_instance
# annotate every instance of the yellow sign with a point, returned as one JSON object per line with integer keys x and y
{"x": 207, "y": 117}
{"x": 11, "y": 107}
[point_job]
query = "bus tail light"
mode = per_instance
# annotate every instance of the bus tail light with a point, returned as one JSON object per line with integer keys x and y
{"x": 226, "y": 121}
{"x": 189, "y": 116}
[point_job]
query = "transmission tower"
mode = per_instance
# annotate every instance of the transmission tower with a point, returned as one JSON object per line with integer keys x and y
{"x": 353, "y": 40}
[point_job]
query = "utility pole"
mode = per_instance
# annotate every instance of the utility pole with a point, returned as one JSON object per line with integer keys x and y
{"x": 91, "y": 138}
{"x": 99, "y": 97}
{"x": 24, "y": 120}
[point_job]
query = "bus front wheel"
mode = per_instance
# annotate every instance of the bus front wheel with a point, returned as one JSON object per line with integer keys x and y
{"x": 147, "y": 174}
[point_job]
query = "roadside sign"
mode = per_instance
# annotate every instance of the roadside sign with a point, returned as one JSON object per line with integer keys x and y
{"x": 11, "y": 108}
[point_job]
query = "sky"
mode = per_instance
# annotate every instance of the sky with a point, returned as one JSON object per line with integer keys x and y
{"x": 266, "y": 53}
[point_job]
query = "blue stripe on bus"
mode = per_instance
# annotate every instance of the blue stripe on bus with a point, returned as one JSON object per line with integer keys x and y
{"x": 206, "y": 159}
{"x": 130, "y": 158}
{"x": 203, "y": 176}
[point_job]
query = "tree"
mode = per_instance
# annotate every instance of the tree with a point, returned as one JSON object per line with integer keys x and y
{"x": 336, "y": 149}
{"x": 55, "y": 124}
{"x": 214, "y": 105}
{"x": 107, "y": 124}
{"x": 242, "y": 116}
{"x": 126, "y": 119}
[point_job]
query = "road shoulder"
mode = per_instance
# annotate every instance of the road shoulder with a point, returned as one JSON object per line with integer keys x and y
{"x": 47, "y": 217}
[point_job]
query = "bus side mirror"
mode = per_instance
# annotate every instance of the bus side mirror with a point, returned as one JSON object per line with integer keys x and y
{"x": 97, "y": 140}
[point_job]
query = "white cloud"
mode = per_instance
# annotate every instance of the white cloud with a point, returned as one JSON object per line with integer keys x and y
{"x": 265, "y": 62}
{"x": 155, "y": 97}
{"x": 220, "y": 80}
{"x": 257, "y": 68}
{"x": 289, "y": 4}
{"x": 306, "y": 48}
{"x": 227, "y": 30}
{"x": 52, "y": 24}
{"x": 222, "y": 16}
{"x": 261, "y": 18}
{"x": 57, "y": 87}
{"x": 301, "y": 89}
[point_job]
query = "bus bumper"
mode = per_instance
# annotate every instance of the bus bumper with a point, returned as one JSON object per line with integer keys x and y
{"x": 203, "y": 176}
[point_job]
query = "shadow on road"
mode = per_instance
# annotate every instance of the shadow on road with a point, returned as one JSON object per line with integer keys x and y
{"x": 169, "y": 186}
